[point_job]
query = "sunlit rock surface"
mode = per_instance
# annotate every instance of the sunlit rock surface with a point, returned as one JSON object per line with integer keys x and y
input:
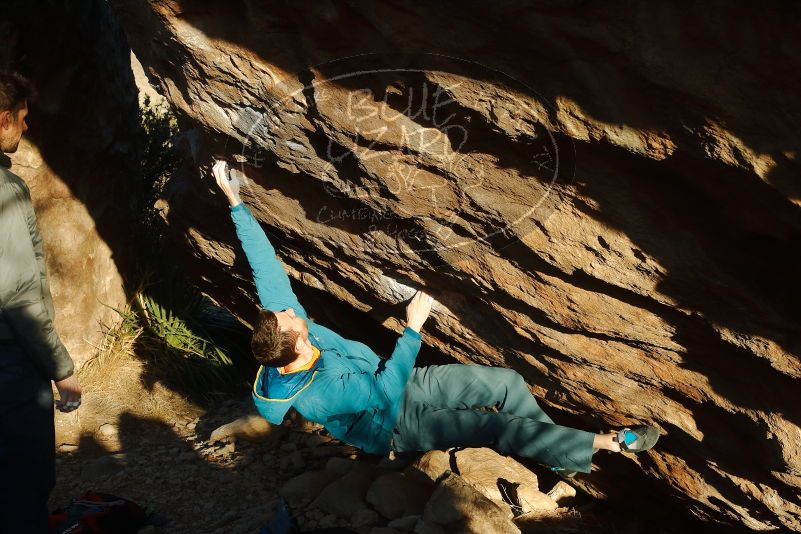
{"x": 604, "y": 197}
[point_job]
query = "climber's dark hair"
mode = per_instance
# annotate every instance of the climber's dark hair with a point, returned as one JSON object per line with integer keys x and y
{"x": 15, "y": 91}
{"x": 270, "y": 346}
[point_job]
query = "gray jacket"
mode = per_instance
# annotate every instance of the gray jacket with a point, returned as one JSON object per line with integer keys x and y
{"x": 26, "y": 306}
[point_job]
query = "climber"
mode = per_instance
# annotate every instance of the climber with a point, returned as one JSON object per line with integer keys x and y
{"x": 31, "y": 353}
{"x": 381, "y": 405}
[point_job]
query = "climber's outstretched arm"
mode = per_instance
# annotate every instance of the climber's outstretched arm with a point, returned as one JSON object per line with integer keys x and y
{"x": 272, "y": 283}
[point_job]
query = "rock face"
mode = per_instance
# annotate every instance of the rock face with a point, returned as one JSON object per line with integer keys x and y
{"x": 500, "y": 478}
{"x": 604, "y": 197}
{"x": 78, "y": 155}
{"x": 459, "y": 507}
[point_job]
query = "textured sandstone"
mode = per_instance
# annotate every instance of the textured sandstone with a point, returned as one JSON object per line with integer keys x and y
{"x": 651, "y": 277}
{"x": 562, "y": 493}
{"x": 395, "y": 495}
{"x": 346, "y": 496}
{"x": 306, "y": 486}
{"x": 459, "y": 507}
{"x": 500, "y": 478}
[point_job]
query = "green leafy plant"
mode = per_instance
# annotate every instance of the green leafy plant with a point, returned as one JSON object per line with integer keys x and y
{"x": 186, "y": 354}
{"x": 184, "y": 337}
{"x": 195, "y": 346}
{"x": 160, "y": 160}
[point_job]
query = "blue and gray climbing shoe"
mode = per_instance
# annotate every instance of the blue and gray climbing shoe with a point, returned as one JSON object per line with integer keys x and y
{"x": 637, "y": 439}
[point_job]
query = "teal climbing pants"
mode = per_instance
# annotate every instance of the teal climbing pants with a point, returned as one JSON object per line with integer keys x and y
{"x": 476, "y": 406}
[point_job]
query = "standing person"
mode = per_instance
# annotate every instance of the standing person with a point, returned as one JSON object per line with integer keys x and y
{"x": 31, "y": 353}
{"x": 381, "y": 405}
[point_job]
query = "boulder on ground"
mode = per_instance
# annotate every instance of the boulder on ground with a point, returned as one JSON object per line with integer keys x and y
{"x": 459, "y": 507}
{"x": 503, "y": 479}
{"x": 363, "y": 517}
{"x": 345, "y": 496}
{"x": 396, "y": 495}
{"x": 306, "y": 486}
{"x": 500, "y": 478}
{"x": 433, "y": 464}
{"x": 562, "y": 493}
{"x": 404, "y": 524}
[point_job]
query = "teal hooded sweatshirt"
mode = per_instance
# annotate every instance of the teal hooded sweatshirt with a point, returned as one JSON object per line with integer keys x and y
{"x": 352, "y": 392}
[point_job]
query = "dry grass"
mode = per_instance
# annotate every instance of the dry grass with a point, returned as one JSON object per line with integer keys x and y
{"x": 112, "y": 386}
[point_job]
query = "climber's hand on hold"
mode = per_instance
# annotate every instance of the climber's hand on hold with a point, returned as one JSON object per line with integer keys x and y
{"x": 227, "y": 181}
{"x": 418, "y": 310}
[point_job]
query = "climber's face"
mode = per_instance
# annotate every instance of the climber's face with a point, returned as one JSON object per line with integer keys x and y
{"x": 12, "y": 126}
{"x": 289, "y": 322}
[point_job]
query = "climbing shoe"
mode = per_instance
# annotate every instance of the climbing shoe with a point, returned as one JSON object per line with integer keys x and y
{"x": 637, "y": 439}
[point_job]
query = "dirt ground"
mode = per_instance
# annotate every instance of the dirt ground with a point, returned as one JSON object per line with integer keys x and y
{"x": 187, "y": 483}
{"x": 147, "y": 443}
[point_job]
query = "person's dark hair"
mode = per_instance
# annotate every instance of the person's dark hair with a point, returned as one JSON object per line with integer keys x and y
{"x": 270, "y": 346}
{"x": 15, "y": 91}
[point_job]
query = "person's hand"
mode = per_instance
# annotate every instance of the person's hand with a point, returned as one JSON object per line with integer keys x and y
{"x": 70, "y": 392}
{"x": 418, "y": 310}
{"x": 227, "y": 182}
